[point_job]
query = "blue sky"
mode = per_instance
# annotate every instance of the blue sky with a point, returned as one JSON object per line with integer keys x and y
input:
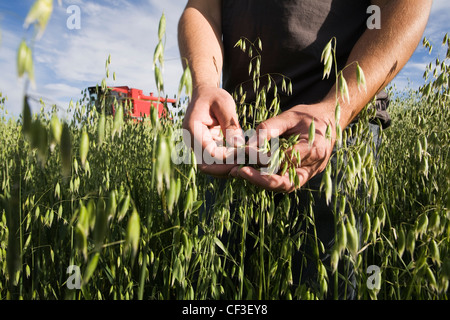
{"x": 66, "y": 61}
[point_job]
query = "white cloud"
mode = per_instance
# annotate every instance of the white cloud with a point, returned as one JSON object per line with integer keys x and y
{"x": 10, "y": 85}
{"x": 438, "y": 24}
{"x": 417, "y": 66}
{"x": 67, "y": 61}
{"x": 440, "y": 6}
{"x": 126, "y": 32}
{"x": 61, "y": 90}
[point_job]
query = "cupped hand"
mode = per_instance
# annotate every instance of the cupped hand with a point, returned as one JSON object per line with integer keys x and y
{"x": 313, "y": 157}
{"x": 211, "y": 116}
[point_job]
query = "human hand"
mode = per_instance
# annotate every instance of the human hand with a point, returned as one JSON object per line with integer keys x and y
{"x": 313, "y": 158}
{"x": 211, "y": 115}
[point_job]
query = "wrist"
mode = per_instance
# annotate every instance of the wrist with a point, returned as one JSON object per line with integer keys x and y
{"x": 338, "y": 111}
{"x": 203, "y": 85}
{"x": 202, "y": 78}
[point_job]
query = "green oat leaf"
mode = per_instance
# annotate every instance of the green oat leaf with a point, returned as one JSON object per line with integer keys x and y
{"x": 101, "y": 225}
{"x": 222, "y": 247}
{"x": 361, "y": 79}
{"x": 312, "y": 133}
{"x": 90, "y": 269}
{"x": 101, "y": 128}
{"x": 162, "y": 26}
{"x": 21, "y": 58}
{"x": 343, "y": 87}
{"x": 158, "y": 54}
{"x": 27, "y": 117}
{"x": 55, "y": 129}
{"x": 326, "y": 53}
{"x": 84, "y": 147}
{"x": 39, "y": 13}
{"x": 352, "y": 238}
{"x": 66, "y": 151}
{"x": 159, "y": 79}
{"x": 118, "y": 121}
{"x": 133, "y": 233}
{"x": 124, "y": 205}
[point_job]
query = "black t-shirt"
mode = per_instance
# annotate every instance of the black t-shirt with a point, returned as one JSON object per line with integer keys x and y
{"x": 293, "y": 34}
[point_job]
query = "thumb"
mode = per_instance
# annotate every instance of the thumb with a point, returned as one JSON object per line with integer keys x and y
{"x": 224, "y": 110}
{"x": 258, "y": 145}
{"x": 269, "y": 129}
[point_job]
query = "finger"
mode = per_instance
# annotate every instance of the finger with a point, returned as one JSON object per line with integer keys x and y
{"x": 234, "y": 137}
{"x": 224, "y": 111}
{"x": 271, "y": 128}
{"x": 203, "y": 139}
{"x": 217, "y": 170}
{"x": 203, "y": 125}
{"x": 264, "y": 142}
{"x": 273, "y": 182}
{"x": 314, "y": 155}
{"x": 305, "y": 174}
{"x": 216, "y": 134}
{"x": 207, "y": 147}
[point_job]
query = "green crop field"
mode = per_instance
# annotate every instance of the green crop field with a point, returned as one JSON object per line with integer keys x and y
{"x": 94, "y": 207}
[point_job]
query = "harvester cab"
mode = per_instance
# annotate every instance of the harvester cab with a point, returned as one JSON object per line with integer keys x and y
{"x": 136, "y": 105}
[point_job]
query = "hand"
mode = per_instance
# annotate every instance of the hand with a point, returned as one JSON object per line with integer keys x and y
{"x": 211, "y": 115}
{"x": 314, "y": 158}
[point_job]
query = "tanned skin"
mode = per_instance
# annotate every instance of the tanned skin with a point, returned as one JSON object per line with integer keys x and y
{"x": 381, "y": 53}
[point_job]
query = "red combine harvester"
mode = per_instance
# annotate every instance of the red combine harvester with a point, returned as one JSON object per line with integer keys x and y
{"x": 139, "y": 105}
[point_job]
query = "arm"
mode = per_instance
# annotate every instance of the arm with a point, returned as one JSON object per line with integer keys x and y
{"x": 212, "y": 109}
{"x": 381, "y": 54}
{"x": 199, "y": 39}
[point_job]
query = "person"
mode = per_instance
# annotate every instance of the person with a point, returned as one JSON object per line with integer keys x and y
{"x": 293, "y": 34}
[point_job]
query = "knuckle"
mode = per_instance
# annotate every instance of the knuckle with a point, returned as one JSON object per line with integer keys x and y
{"x": 320, "y": 153}
{"x": 263, "y": 125}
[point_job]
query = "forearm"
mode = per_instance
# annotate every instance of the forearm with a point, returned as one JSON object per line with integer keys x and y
{"x": 199, "y": 39}
{"x": 381, "y": 53}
